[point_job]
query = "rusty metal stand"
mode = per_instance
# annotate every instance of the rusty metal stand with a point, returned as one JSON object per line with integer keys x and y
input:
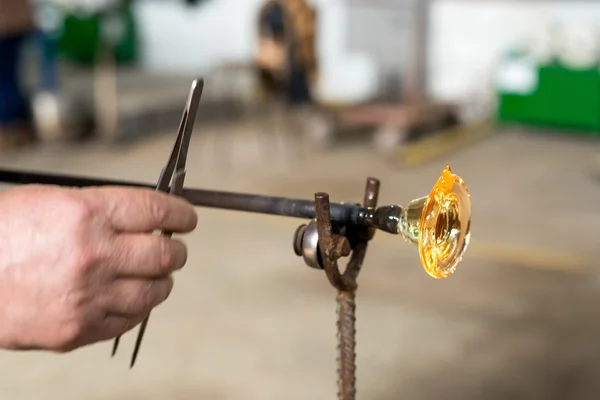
{"x": 332, "y": 247}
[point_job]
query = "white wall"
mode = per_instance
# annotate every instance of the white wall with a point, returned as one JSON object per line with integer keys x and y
{"x": 177, "y": 38}
{"x": 468, "y": 37}
{"x": 195, "y": 40}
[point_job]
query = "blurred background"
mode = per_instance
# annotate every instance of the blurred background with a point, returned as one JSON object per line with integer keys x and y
{"x": 307, "y": 96}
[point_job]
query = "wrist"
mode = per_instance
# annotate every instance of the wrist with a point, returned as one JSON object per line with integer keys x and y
{"x": 6, "y": 339}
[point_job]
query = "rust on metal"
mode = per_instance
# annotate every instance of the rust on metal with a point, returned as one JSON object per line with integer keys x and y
{"x": 328, "y": 244}
{"x": 333, "y": 246}
{"x": 346, "y": 312}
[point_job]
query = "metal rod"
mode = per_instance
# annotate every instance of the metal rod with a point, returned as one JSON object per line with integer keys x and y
{"x": 346, "y": 334}
{"x": 282, "y": 206}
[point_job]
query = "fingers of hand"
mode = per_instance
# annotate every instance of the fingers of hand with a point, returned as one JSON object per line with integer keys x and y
{"x": 131, "y": 297}
{"x": 115, "y": 325}
{"x": 121, "y": 306}
{"x": 147, "y": 256}
{"x": 144, "y": 210}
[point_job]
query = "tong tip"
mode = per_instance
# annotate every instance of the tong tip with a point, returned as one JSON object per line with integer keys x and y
{"x": 115, "y": 346}
{"x": 198, "y": 83}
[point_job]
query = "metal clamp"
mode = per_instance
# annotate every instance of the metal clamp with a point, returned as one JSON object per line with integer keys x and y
{"x": 322, "y": 243}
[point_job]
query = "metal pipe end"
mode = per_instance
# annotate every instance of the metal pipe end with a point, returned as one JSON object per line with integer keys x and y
{"x": 371, "y": 192}
{"x": 320, "y": 196}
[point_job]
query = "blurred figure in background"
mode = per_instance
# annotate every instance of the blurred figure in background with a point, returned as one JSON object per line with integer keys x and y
{"x": 49, "y": 23}
{"x": 16, "y": 23}
{"x": 288, "y": 68}
{"x": 287, "y": 60}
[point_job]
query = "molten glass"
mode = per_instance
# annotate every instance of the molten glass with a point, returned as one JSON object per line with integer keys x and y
{"x": 440, "y": 224}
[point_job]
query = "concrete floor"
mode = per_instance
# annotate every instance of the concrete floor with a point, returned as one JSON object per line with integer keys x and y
{"x": 247, "y": 320}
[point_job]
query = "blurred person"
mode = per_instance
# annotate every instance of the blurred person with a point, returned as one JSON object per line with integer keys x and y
{"x": 16, "y": 23}
{"x": 287, "y": 70}
{"x": 80, "y": 266}
{"x": 54, "y": 113}
{"x": 287, "y": 60}
{"x": 48, "y": 20}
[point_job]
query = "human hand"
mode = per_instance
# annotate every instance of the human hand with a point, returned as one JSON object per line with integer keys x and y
{"x": 79, "y": 266}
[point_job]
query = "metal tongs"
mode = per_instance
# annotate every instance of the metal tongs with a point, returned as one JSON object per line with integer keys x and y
{"x": 172, "y": 178}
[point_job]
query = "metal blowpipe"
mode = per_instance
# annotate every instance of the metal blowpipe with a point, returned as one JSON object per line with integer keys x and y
{"x": 439, "y": 224}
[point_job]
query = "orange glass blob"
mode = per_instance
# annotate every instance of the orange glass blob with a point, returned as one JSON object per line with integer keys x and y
{"x": 445, "y": 225}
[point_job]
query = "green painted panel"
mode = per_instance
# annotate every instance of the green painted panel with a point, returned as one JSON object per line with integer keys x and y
{"x": 81, "y": 38}
{"x": 564, "y": 99}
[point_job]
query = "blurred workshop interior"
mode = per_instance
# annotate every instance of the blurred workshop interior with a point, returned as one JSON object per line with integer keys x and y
{"x": 306, "y": 96}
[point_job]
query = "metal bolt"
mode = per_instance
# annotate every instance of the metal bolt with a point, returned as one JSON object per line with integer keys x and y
{"x": 298, "y": 236}
{"x": 342, "y": 247}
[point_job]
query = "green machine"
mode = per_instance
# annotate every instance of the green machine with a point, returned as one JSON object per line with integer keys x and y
{"x": 563, "y": 98}
{"x": 87, "y": 32}
{"x": 561, "y": 91}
